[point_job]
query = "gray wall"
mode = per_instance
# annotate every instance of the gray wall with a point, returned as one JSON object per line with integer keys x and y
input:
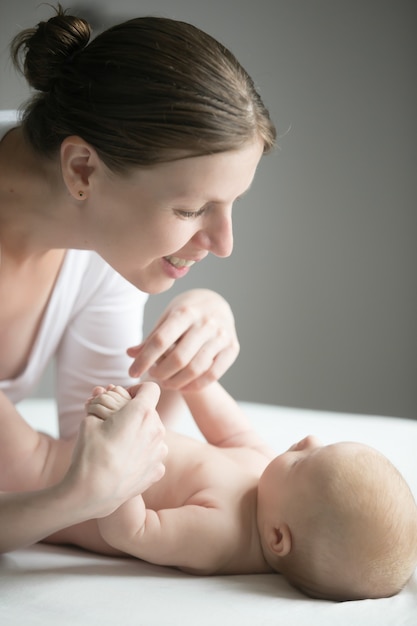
{"x": 322, "y": 278}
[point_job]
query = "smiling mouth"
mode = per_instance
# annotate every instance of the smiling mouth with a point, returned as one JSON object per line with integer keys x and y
{"x": 177, "y": 262}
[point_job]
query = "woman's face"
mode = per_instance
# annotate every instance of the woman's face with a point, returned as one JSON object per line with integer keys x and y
{"x": 155, "y": 223}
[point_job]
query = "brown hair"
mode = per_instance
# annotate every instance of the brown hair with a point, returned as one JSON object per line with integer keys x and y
{"x": 145, "y": 91}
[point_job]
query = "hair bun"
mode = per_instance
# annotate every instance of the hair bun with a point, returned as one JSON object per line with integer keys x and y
{"x": 41, "y": 52}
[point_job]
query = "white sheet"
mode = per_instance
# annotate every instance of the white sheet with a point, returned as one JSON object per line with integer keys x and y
{"x": 53, "y": 586}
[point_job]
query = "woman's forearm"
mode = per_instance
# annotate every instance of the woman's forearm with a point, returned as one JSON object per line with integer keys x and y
{"x": 111, "y": 461}
{"x": 28, "y": 517}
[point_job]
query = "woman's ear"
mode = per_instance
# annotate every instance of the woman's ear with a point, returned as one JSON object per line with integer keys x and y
{"x": 280, "y": 540}
{"x": 78, "y": 162}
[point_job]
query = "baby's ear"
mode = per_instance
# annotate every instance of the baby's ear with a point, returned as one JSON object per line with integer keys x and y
{"x": 280, "y": 540}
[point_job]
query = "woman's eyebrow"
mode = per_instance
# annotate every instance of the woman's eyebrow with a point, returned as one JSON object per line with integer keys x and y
{"x": 220, "y": 201}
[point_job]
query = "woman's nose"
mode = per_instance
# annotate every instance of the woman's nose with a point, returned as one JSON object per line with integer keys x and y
{"x": 217, "y": 236}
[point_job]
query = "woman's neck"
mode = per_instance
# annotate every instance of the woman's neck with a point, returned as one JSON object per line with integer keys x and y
{"x": 33, "y": 205}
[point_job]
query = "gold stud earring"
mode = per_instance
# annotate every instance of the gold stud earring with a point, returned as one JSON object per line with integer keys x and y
{"x": 81, "y": 194}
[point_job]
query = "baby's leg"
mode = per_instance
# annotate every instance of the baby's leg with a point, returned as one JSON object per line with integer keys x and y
{"x": 106, "y": 401}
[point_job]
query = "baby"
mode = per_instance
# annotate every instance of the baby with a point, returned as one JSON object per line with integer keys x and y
{"x": 339, "y": 521}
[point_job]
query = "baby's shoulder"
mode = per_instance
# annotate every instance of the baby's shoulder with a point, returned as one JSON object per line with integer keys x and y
{"x": 248, "y": 459}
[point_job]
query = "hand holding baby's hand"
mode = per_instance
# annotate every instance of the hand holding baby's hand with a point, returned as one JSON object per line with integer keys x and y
{"x": 105, "y": 401}
{"x": 121, "y": 454}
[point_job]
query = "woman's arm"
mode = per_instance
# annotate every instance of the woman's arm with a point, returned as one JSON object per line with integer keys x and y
{"x": 113, "y": 460}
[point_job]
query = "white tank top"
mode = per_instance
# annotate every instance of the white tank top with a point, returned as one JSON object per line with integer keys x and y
{"x": 92, "y": 316}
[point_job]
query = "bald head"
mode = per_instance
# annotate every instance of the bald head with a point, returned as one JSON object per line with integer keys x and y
{"x": 354, "y": 528}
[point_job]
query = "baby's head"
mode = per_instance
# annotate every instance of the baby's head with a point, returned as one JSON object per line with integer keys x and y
{"x": 338, "y": 521}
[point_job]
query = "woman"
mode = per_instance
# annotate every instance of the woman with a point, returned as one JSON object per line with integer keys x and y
{"x": 120, "y": 176}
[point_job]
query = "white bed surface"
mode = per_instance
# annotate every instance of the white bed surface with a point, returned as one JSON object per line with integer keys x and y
{"x": 50, "y": 585}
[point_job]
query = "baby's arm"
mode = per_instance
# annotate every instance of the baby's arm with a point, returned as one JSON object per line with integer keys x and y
{"x": 193, "y": 537}
{"x": 222, "y": 421}
{"x": 170, "y": 537}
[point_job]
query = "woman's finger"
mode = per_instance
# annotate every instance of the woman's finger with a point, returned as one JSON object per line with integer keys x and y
{"x": 166, "y": 333}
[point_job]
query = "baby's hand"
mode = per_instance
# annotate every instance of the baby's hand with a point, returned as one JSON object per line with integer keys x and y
{"x": 106, "y": 401}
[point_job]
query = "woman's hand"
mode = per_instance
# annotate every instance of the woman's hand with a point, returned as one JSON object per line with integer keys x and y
{"x": 119, "y": 457}
{"x": 193, "y": 343}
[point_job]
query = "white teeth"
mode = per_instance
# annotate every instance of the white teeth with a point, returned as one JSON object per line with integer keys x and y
{"x": 177, "y": 262}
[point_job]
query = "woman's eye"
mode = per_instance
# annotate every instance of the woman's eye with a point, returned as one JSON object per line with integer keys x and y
{"x": 191, "y": 214}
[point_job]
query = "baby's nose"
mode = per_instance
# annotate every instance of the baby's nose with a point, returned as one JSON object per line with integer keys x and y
{"x": 309, "y": 443}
